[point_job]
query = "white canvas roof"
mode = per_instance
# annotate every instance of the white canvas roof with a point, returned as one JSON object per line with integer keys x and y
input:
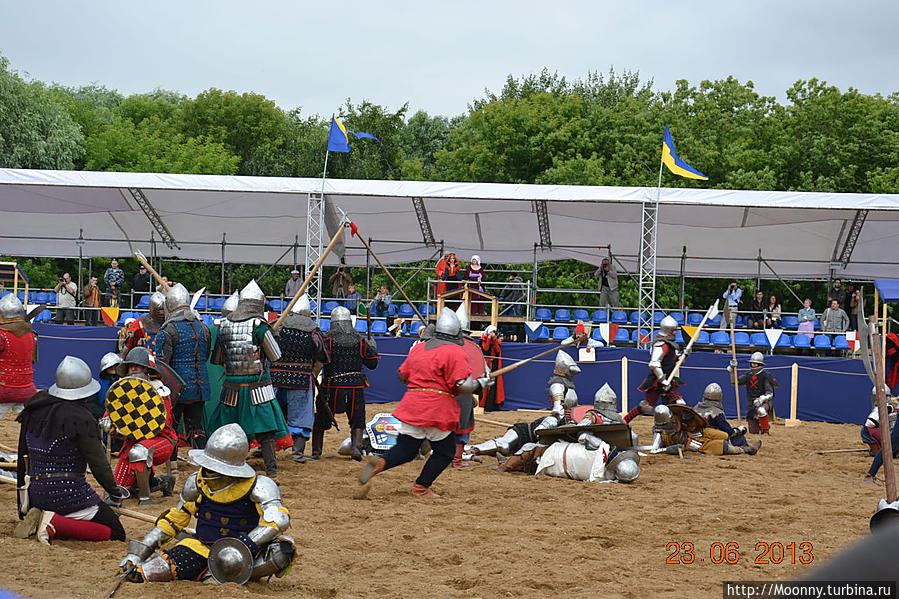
{"x": 798, "y": 233}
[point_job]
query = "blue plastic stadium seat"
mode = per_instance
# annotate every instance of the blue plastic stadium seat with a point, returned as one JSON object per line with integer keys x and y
{"x": 277, "y": 304}
{"x": 839, "y": 342}
{"x": 405, "y": 311}
{"x": 21, "y": 296}
{"x": 4, "y": 292}
{"x": 144, "y": 302}
{"x": 623, "y": 336}
{"x": 39, "y": 297}
{"x": 679, "y": 336}
{"x": 361, "y": 325}
{"x": 634, "y": 317}
{"x": 560, "y": 333}
{"x": 741, "y": 339}
{"x": 51, "y": 297}
{"x": 822, "y": 342}
{"x": 379, "y": 327}
{"x": 563, "y": 315}
{"x": 423, "y": 309}
{"x": 817, "y": 324}
{"x": 740, "y": 321}
{"x": 678, "y": 317}
{"x": 801, "y": 340}
{"x": 324, "y": 325}
{"x": 714, "y": 322}
{"x": 635, "y": 336}
{"x": 759, "y": 340}
{"x": 543, "y": 314}
{"x": 328, "y": 306}
{"x": 790, "y": 322}
{"x": 215, "y": 303}
{"x": 702, "y": 338}
{"x": 581, "y": 314}
{"x": 597, "y": 335}
{"x": 415, "y": 327}
{"x": 543, "y": 333}
{"x": 600, "y": 316}
{"x": 694, "y": 318}
{"x": 391, "y": 310}
{"x": 784, "y": 341}
{"x": 657, "y": 317}
{"x": 313, "y": 306}
{"x": 720, "y": 338}
{"x": 619, "y": 317}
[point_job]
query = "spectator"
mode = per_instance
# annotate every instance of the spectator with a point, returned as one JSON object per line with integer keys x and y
{"x": 340, "y": 283}
{"x": 835, "y": 319}
{"x": 114, "y": 277}
{"x": 607, "y": 281}
{"x": 846, "y": 305}
{"x": 807, "y": 318}
{"x": 732, "y": 298}
{"x": 836, "y": 292}
{"x": 474, "y": 274}
{"x": 448, "y": 274}
{"x": 293, "y": 284}
{"x": 512, "y": 296}
{"x": 772, "y": 313}
{"x": 113, "y": 300}
{"x": 380, "y": 305}
{"x": 91, "y": 303}
{"x": 494, "y": 396}
{"x": 66, "y": 291}
{"x": 142, "y": 281}
{"x": 853, "y": 310}
{"x": 757, "y": 316}
{"x": 353, "y": 298}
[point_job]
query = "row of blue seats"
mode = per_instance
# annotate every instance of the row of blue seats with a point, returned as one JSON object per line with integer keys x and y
{"x": 216, "y": 303}
{"x": 719, "y": 338}
{"x": 622, "y": 317}
{"x": 34, "y": 297}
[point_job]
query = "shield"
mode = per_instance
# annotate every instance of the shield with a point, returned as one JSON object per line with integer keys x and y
{"x": 383, "y": 430}
{"x": 230, "y": 561}
{"x": 171, "y": 379}
{"x": 679, "y": 410}
{"x": 135, "y": 409}
{"x": 616, "y": 435}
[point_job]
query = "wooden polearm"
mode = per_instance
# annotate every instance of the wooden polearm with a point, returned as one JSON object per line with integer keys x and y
{"x": 309, "y": 276}
{"x": 143, "y": 260}
{"x": 886, "y": 443}
{"x": 733, "y": 372}
{"x": 521, "y": 363}
{"x": 683, "y": 356}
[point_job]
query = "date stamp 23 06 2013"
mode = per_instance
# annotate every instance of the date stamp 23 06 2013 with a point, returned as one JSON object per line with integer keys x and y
{"x": 765, "y": 553}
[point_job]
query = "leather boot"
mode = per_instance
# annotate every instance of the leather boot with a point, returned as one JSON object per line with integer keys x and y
{"x": 753, "y": 448}
{"x": 457, "y": 459}
{"x": 372, "y": 466}
{"x": 423, "y": 491}
{"x": 318, "y": 441}
{"x": 356, "y": 436}
{"x": 143, "y": 487}
{"x": 299, "y": 446}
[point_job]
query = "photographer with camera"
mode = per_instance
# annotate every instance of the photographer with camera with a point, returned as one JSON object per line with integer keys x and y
{"x": 732, "y": 297}
{"x": 340, "y": 283}
{"x": 91, "y": 303}
{"x": 380, "y": 305}
{"x": 66, "y": 291}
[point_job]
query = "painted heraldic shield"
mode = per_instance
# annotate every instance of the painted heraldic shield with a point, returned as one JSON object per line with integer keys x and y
{"x": 135, "y": 408}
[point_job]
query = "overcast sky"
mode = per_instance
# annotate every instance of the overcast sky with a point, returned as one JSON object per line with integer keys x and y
{"x": 438, "y": 56}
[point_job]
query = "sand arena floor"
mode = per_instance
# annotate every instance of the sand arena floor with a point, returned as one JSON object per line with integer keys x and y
{"x": 508, "y": 535}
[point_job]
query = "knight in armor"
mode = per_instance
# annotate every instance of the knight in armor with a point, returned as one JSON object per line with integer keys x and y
{"x": 710, "y": 408}
{"x": 343, "y": 383}
{"x": 109, "y": 374}
{"x": 58, "y": 440}
{"x": 215, "y": 371}
{"x": 240, "y": 521}
{"x": 662, "y": 359}
{"x": 245, "y": 346}
{"x": 760, "y": 385}
{"x": 137, "y": 459}
{"x": 870, "y": 476}
{"x": 679, "y": 426}
{"x": 467, "y": 401}
{"x": 302, "y": 345}
{"x": 436, "y": 372}
{"x": 18, "y": 353}
{"x": 183, "y": 342}
{"x": 870, "y": 430}
{"x": 142, "y": 332}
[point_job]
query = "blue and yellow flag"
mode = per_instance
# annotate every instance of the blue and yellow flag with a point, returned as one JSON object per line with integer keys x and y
{"x": 339, "y": 141}
{"x": 673, "y": 161}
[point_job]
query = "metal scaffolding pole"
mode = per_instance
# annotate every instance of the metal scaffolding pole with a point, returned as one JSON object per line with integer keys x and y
{"x": 315, "y": 224}
{"x": 646, "y": 299}
{"x": 683, "y": 267}
{"x": 223, "y": 264}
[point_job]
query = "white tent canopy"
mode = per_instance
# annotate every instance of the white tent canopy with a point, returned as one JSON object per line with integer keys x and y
{"x": 799, "y": 234}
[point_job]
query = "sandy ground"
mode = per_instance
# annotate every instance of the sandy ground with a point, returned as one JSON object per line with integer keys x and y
{"x": 508, "y": 535}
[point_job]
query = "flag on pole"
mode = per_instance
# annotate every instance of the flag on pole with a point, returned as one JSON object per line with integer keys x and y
{"x": 338, "y": 138}
{"x": 673, "y": 161}
{"x": 773, "y": 336}
{"x": 109, "y": 315}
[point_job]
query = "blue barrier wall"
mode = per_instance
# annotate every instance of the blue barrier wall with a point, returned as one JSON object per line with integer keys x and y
{"x": 830, "y": 389}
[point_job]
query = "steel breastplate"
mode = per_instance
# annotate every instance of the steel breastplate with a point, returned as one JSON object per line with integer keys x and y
{"x": 345, "y": 368}
{"x": 242, "y": 356}
{"x": 295, "y": 365}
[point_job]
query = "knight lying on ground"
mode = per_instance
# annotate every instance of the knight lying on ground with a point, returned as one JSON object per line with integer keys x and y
{"x": 710, "y": 408}
{"x": 681, "y": 427}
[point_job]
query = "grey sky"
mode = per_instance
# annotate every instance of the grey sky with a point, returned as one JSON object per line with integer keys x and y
{"x": 439, "y": 55}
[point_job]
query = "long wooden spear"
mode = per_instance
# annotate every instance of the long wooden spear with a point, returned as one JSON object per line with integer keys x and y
{"x": 710, "y": 313}
{"x": 521, "y": 363}
{"x": 733, "y": 356}
{"x": 143, "y": 260}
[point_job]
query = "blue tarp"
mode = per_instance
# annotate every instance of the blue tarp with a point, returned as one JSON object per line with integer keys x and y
{"x": 830, "y": 389}
{"x": 888, "y": 290}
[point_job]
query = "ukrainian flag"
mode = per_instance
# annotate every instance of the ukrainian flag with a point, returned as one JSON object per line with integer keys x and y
{"x": 673, "y": 161}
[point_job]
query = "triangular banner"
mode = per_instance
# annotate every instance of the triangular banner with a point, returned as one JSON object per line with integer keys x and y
{"x": 690, "y": 331}
{"x": 532, "y": 329}
{"x": 852, "y": 340}
{"x": 109, "y": 315}
{"x": 608, "y": 331}
{"x": 773, "y": 336}
{"x": 713, "y": 311}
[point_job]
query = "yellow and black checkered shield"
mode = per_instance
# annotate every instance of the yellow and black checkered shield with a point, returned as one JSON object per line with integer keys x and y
{"x": 135, "y": 409}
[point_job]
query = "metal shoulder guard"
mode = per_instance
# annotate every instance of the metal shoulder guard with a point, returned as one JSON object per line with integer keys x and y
{"x": 190, "y": 491}
{"x": 268, "y": 496}
{"x": 270, "y": 346}
{"x": 468, "y": 385}
{"x": 557, "y": 392}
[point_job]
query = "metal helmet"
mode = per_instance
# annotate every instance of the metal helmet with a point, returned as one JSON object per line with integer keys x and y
{"x": 73, "y": 380}
{"x": 712, "y": 392}
{"x": 230, "y": 304}
{"x": 302, "y": 306}
{"x": 225, "y": 453}
{"x": 757, "y": 358}
{"x": 605, "y": 397}
{"x": 662, "y": 415}
{"x": 177, "y": 297}
{"x": 11, "y": 308}
{"x": 627, "y": 471}
{"x": 230, "y": 560}
{"x": 346, "y": 447}
{"x": 157, "y": 301}
{"x": 565, "y": 365}
{"x": 448, "y": 323}
{"x": 668, "y": 327}
{"x": 886, "y": 392}
{"x": 250, "y": 303}
{"x": 341, "y": 315}
{"x": 108, "y": 360}
{"x": 140, "y": 356}
{"x": 251, "y": 292}
{"x": 462, "y": 315}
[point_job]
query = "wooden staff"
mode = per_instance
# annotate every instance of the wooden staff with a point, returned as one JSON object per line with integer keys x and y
{"x": 143, "y": 260}
{"x": 302, "y": 289}
{"x": 494, "y": 422}
{"x": 823, "y": 451}
{"x": 733, "y": 372}
{"x": 8, "y": 449}
{"x": 521, "y": 363}
{"x": 141, "y": 516}
{"x": 683, "y": 356}
{"x": 390, "y": 276}
{"x": 886, "y": 443}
